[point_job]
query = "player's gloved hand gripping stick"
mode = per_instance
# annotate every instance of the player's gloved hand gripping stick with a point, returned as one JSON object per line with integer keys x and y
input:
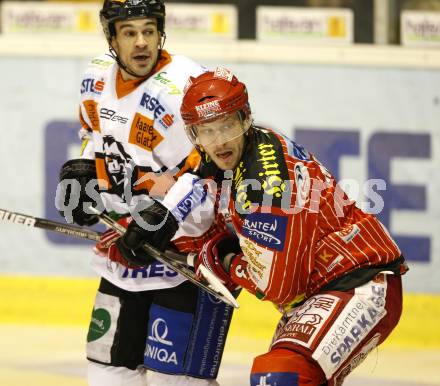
{"x": 176, "y": 261}
{"x": 209, "y": 282}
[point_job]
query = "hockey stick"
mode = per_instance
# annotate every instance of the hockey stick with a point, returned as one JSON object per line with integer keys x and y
{"x": 210, "y": 283}
{"x": 49, "y": 225}
{"x": 72, "y": 230}
{"x": 175, "y": 261}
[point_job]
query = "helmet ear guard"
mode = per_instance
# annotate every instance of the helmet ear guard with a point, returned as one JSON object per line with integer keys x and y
{"x": 192, "y": 134}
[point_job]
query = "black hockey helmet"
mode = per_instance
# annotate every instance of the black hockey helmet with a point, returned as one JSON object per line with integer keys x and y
{"x": 115, "y": 10}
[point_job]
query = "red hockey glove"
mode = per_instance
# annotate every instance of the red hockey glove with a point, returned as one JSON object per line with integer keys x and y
{"x": 106, "y": 246}
{"x": 217, "y": 255}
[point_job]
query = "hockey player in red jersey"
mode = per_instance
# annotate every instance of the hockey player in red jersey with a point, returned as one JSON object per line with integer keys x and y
{"x": 296, "y": 240}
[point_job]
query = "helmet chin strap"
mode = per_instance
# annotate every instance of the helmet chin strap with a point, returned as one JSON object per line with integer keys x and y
{"x": 121, "y": 64}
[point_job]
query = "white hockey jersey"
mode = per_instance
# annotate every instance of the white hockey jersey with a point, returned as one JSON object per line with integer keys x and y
{"x": 133, "y": 130}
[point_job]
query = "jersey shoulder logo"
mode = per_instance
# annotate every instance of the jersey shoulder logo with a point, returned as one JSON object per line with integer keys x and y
{"x": 92, "y": 86}
{"x": 102, "y": 62}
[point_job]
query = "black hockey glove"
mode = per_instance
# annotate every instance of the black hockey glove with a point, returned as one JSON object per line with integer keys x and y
{"x": 82, "y": 171}
{"x": 130, "y": 245}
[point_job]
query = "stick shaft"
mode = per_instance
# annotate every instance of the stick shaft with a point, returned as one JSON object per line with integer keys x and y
{"x": 49, "y": 225}
{"x": 176, "y": 261}
{"x": 179, "y": 263}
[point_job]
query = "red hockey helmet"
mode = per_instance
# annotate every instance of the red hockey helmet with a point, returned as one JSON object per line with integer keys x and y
{"x": 213, "y": 94}
{"x": 210, "y": 96}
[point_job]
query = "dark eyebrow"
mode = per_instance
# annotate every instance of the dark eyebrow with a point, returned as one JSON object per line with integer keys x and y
{"x": 129, "y": 25}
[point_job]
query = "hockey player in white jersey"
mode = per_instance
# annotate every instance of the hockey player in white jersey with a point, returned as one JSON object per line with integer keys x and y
{"x": 145, "y": 315}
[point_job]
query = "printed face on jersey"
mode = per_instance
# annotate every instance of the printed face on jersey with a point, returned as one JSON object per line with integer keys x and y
{"x": 223, "y": 140}
{"x": 116, "y": 160}
{"x": 137, "y": 45}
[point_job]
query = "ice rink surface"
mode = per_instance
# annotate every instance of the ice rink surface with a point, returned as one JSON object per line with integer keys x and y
{"x": 54, "y": 356}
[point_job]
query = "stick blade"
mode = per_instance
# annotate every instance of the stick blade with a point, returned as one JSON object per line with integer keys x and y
{"x": 218, "y": 286}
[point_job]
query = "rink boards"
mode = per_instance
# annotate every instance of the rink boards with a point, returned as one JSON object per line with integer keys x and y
{"x": 50, "y": 301}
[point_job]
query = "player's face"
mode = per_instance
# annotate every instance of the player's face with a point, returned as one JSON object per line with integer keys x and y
{"x": 137, "y": 45}
{"x": 223, "y": 140}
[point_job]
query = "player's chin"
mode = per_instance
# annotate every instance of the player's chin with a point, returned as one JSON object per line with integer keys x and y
{"x": 223, "y": 163}
{"x": 141, "y": 69}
